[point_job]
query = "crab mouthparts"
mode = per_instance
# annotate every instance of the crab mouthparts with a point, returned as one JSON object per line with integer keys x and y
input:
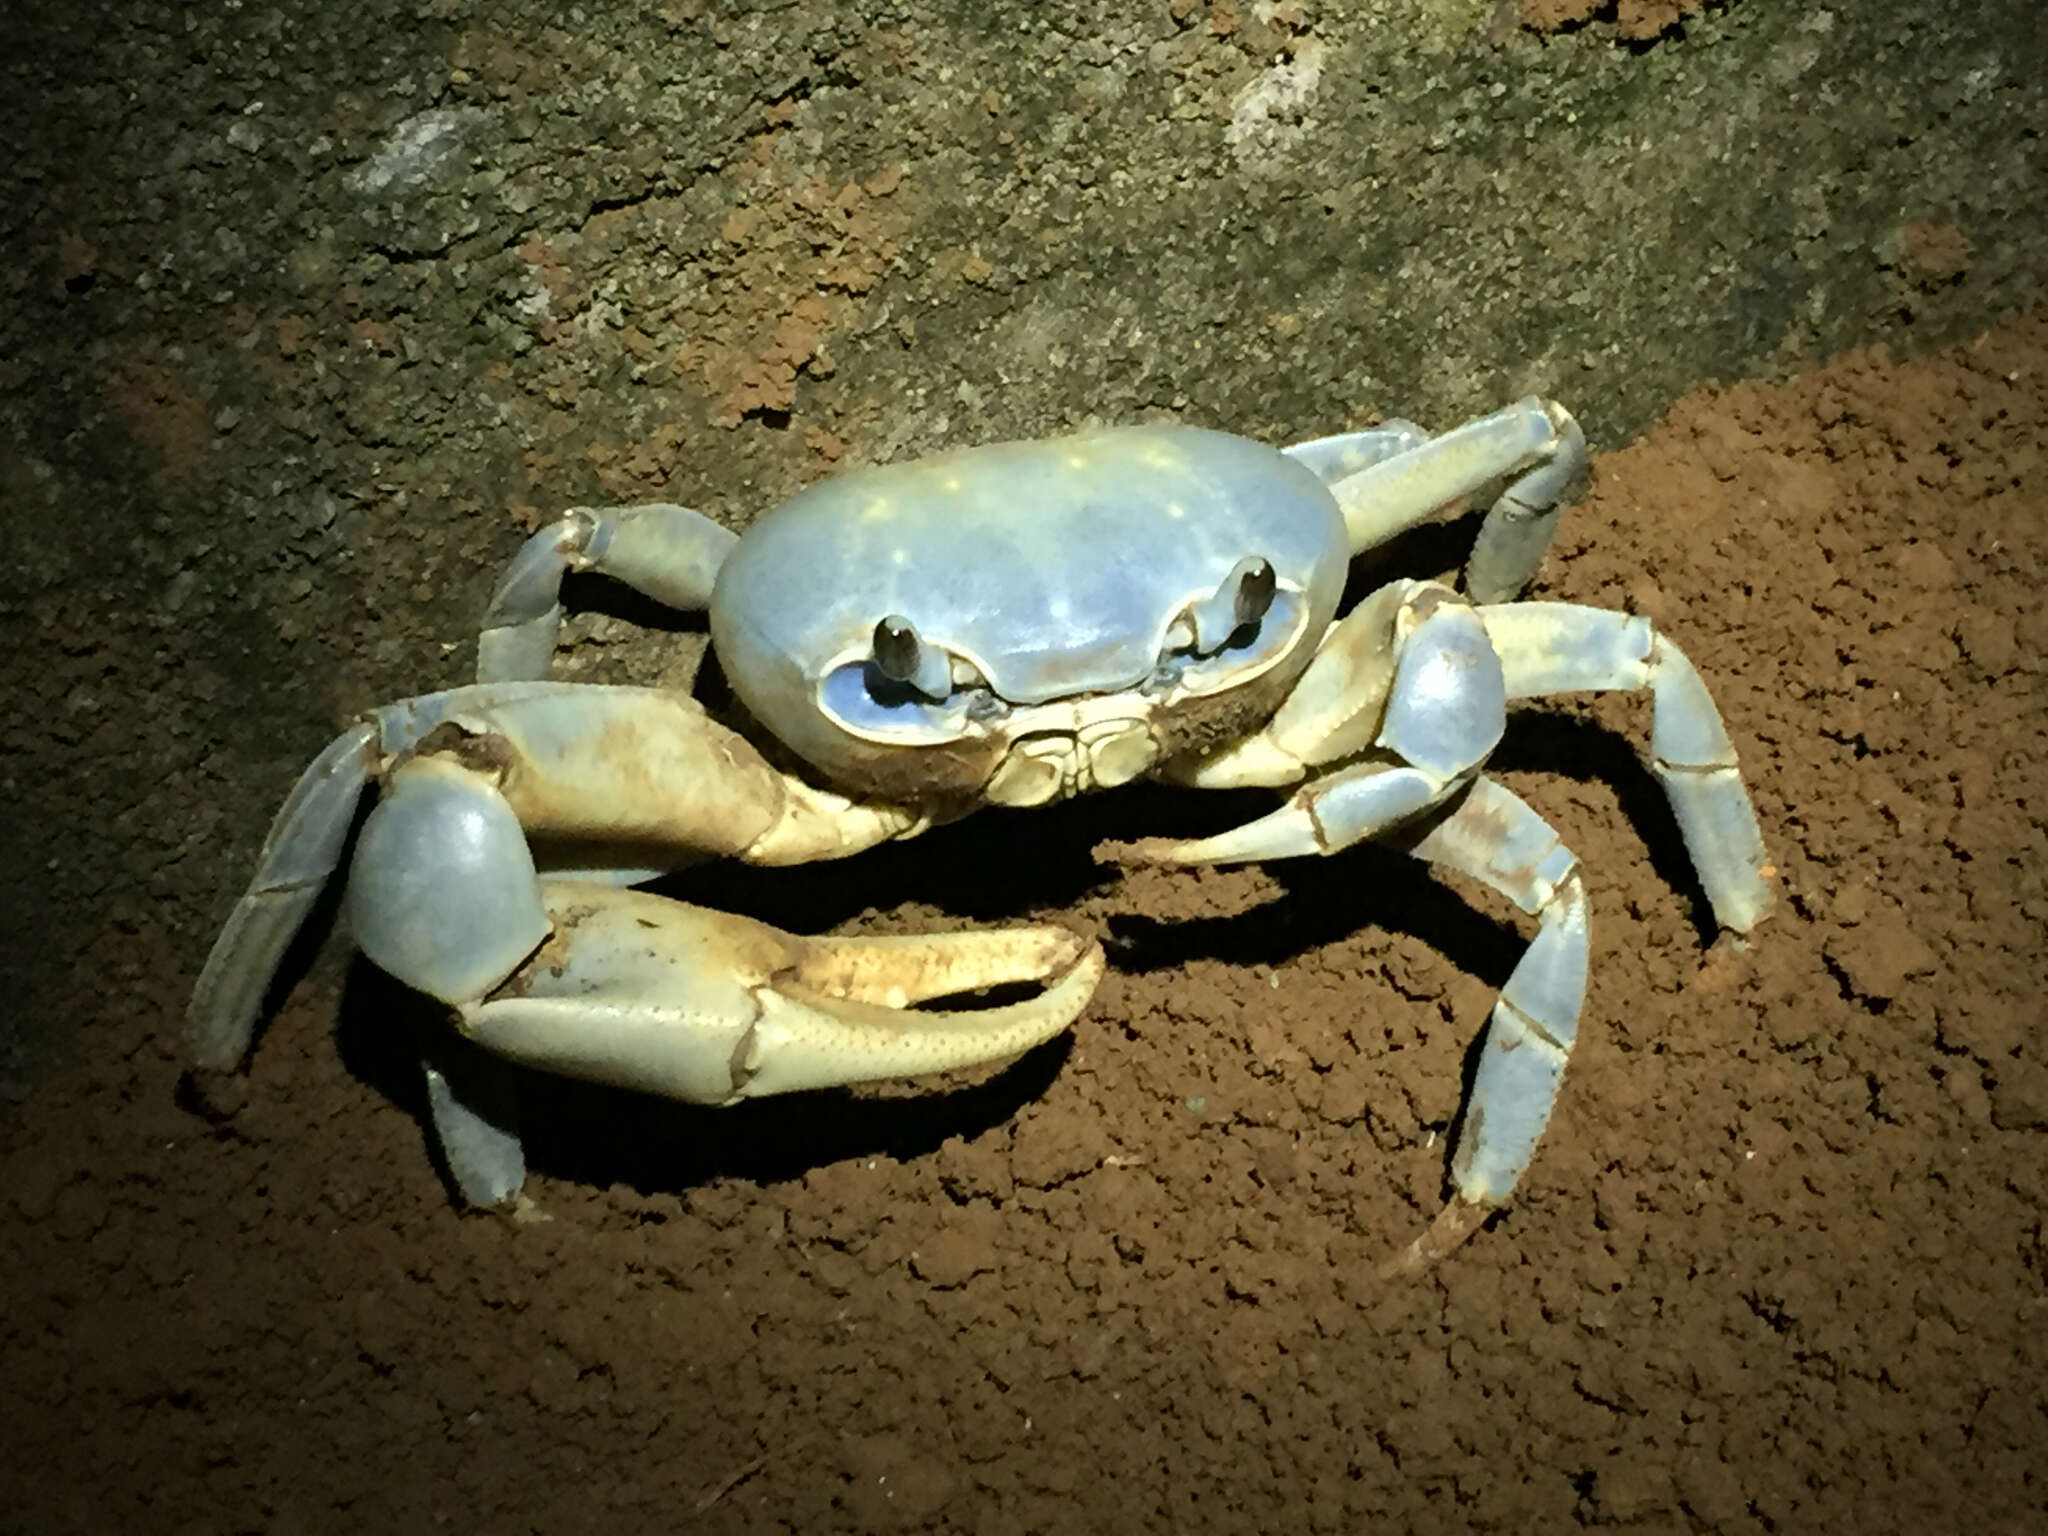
{"x": 1053, "y": 765}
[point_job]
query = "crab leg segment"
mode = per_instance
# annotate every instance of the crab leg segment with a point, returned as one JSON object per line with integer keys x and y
{"x": 1550, "y": 648}
{"x": 442, "y": 893}
{"x": 474, "y": 1103}
{"x": 1402, "y": 486}
{"x": 1493, "y": 836}
{"x": 635, "y": 770}
{"x": 670, "y": 553}
{"x": 1409, "y": 684}
{"x": 301, "y": 851}
{"x": 1335, "y": 458}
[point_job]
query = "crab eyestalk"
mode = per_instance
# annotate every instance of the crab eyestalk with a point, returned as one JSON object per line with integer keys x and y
{"x": 902, "y": 656}
{"x": 1243, "y": 598}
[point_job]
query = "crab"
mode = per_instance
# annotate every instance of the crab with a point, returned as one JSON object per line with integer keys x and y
{"x": 1006, "y": 625}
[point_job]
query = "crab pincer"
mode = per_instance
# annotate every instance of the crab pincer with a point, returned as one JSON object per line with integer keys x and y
{"x": 709, "y": 1007}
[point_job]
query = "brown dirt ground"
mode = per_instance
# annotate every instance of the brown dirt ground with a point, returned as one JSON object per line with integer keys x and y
{"x": 1638, "y": 21}
{"x": 1780, "y": 1263}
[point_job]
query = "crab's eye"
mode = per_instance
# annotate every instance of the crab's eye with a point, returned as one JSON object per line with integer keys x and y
{"x": 1238, "y": 604}
{"x": 1256, "y": 584}
{"x": 896, "y": 649}
{"x": 902, "y": 656}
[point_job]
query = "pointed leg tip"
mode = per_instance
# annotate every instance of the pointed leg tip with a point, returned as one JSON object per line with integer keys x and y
{"x": 210, "y": 1049}
{"x": 523, "y": 1211}
{"x": 1454, "y": 1224}
{"x": 1737, "y": 930}
{"x": 486, "y": 1194}
{"x": 215, "y": 1094}
{"x": 220, "y": 1016}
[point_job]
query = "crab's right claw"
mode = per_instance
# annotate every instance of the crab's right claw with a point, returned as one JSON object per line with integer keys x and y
{"x": 707, "y": 1007}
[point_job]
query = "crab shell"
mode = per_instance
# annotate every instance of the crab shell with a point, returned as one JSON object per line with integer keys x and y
{"x": 1061, "y": 585}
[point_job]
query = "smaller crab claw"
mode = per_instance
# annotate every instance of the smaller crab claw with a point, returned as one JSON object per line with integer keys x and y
{"x": 642, "y": 992}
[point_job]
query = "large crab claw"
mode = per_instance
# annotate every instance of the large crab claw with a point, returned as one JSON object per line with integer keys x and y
{"x": 642, "y": 992}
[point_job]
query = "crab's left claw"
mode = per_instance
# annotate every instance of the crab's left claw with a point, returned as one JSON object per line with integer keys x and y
{"x": 642, "y": 992}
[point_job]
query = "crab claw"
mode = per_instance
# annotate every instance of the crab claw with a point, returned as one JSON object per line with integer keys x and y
{"x": 642, "y": 992}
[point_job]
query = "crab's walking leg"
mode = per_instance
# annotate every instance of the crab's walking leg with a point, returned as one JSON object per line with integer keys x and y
{"x": 670, "y": 553}
{"x": 1548, "y": 648}
{"x": 1535, "y": 440}
{"x": 1406, "y": 693}
{"x": 1410, "y": 680}
{"x": 301, "y": 851}
{"x": 1403, "y": 702}
{"x": 473, "y": 1100}
{"x": 1493, "y": 836}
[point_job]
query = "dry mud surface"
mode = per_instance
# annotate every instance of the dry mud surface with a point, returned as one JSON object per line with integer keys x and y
{"x": 1780, "y": 1263}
